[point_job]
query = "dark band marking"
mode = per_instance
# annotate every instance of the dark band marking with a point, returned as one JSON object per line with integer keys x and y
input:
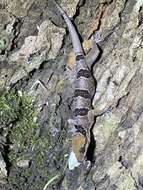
{"x": 82, "y": 93}
{"x": 79, "y": 57}
{"x": 80, "y": 111}
{"x": 83, "y": 73}
{"x": 80, "y": 129}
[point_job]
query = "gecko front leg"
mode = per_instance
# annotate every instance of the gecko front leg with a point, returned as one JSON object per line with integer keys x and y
{"x": 95, "y": 53}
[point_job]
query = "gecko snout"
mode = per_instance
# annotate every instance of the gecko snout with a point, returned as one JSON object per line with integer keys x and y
{"x": 78, "y": 146}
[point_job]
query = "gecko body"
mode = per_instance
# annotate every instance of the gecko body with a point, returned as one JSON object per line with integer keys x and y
{"x": 83, "y": 95}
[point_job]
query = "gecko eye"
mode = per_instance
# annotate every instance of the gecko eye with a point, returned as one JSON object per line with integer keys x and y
{"x": 79, "y": 57}
{"x": 82, "y": 150}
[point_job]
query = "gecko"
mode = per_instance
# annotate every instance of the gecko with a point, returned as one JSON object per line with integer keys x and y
{"x": 84, "y": 89}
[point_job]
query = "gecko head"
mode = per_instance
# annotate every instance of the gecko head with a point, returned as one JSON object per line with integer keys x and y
{"x": 78, "y": 146}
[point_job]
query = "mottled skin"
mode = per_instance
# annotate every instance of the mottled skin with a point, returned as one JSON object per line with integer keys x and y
{"x": 84, "y": 92}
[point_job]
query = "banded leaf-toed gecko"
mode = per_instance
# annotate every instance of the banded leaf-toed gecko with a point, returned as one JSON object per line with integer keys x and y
{"x": 83, "y": 95}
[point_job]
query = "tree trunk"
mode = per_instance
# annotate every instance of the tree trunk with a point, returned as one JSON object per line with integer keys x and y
{"x": 36, "y": 57}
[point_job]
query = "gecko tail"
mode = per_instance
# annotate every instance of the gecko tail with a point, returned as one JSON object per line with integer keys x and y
{"x": 74, "y": 35}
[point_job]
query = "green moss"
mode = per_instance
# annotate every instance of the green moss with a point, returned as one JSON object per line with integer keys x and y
{"x": 19, "y": 111}
{"x": 18, "y": 114}
{"x": 9, "y": 107}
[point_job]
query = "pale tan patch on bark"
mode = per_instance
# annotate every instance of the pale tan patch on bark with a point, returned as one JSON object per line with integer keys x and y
{"x": 96, "y": 21}
{"x": 71, "y": 60}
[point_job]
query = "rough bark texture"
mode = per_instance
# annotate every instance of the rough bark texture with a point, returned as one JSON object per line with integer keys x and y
{"x": 35, "y": 46}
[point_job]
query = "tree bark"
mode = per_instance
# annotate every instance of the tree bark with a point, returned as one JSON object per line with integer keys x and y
{"x": 35, "y": 46}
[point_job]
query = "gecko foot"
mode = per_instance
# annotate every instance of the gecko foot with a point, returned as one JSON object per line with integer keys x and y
{"x": 88, "y": 165}
{"x": 96, "y": 37}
